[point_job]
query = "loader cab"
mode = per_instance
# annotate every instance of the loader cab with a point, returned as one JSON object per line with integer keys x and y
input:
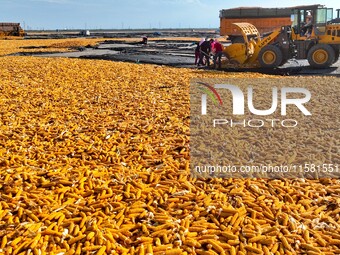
{"x": 309, "y": 22}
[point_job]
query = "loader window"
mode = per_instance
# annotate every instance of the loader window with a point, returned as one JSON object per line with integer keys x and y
{"x": 329, "y": 14}
{"x": 321, "y": 16}
{"x": 320, "y": 21}
{"x": 292, "y": 18}
{"x": 295, "y": 19}
{"x": 338, "y": 33}
{"x": 302, "y": 15}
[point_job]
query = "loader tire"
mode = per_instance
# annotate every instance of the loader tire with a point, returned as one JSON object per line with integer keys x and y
{"x": 270, "y": 56}
{"x": 321, "y": 56}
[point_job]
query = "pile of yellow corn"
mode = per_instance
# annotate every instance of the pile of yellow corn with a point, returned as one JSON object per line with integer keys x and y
{"x": 94, "y": 159}
{"x": 44, "y": 45}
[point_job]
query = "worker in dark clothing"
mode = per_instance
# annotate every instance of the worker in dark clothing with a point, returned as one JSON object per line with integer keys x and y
{"x": 205, "y": 49}
{"x": 144, "y": 40}
{"x": 197, "y": 53}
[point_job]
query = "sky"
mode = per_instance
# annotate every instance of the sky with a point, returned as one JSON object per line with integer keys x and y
{"x": 123, "y": 14}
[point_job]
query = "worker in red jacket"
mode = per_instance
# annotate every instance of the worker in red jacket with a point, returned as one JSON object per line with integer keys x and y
{"x": 217, "y": 50}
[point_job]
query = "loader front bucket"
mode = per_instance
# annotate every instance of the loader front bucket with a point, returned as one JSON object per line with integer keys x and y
{"x": 247, "y": 30}
{"x": 240, "y": 53}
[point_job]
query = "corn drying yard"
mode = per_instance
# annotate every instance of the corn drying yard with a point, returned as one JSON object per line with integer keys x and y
{"x": 94, "y": 159}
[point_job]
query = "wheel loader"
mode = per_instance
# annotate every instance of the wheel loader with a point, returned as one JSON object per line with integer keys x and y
{"x": 316, "y": 35}
{"x": 255, "y": 51}
{"x": 318, "y": 41}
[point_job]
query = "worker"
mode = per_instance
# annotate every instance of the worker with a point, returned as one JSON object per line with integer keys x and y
{"x": 205, "y": 49}
{"x": 144, "y": 40}
{"x": 197, "y": 53}
{"x": 217, "y": 50}
{"x": 308, "y": 26}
